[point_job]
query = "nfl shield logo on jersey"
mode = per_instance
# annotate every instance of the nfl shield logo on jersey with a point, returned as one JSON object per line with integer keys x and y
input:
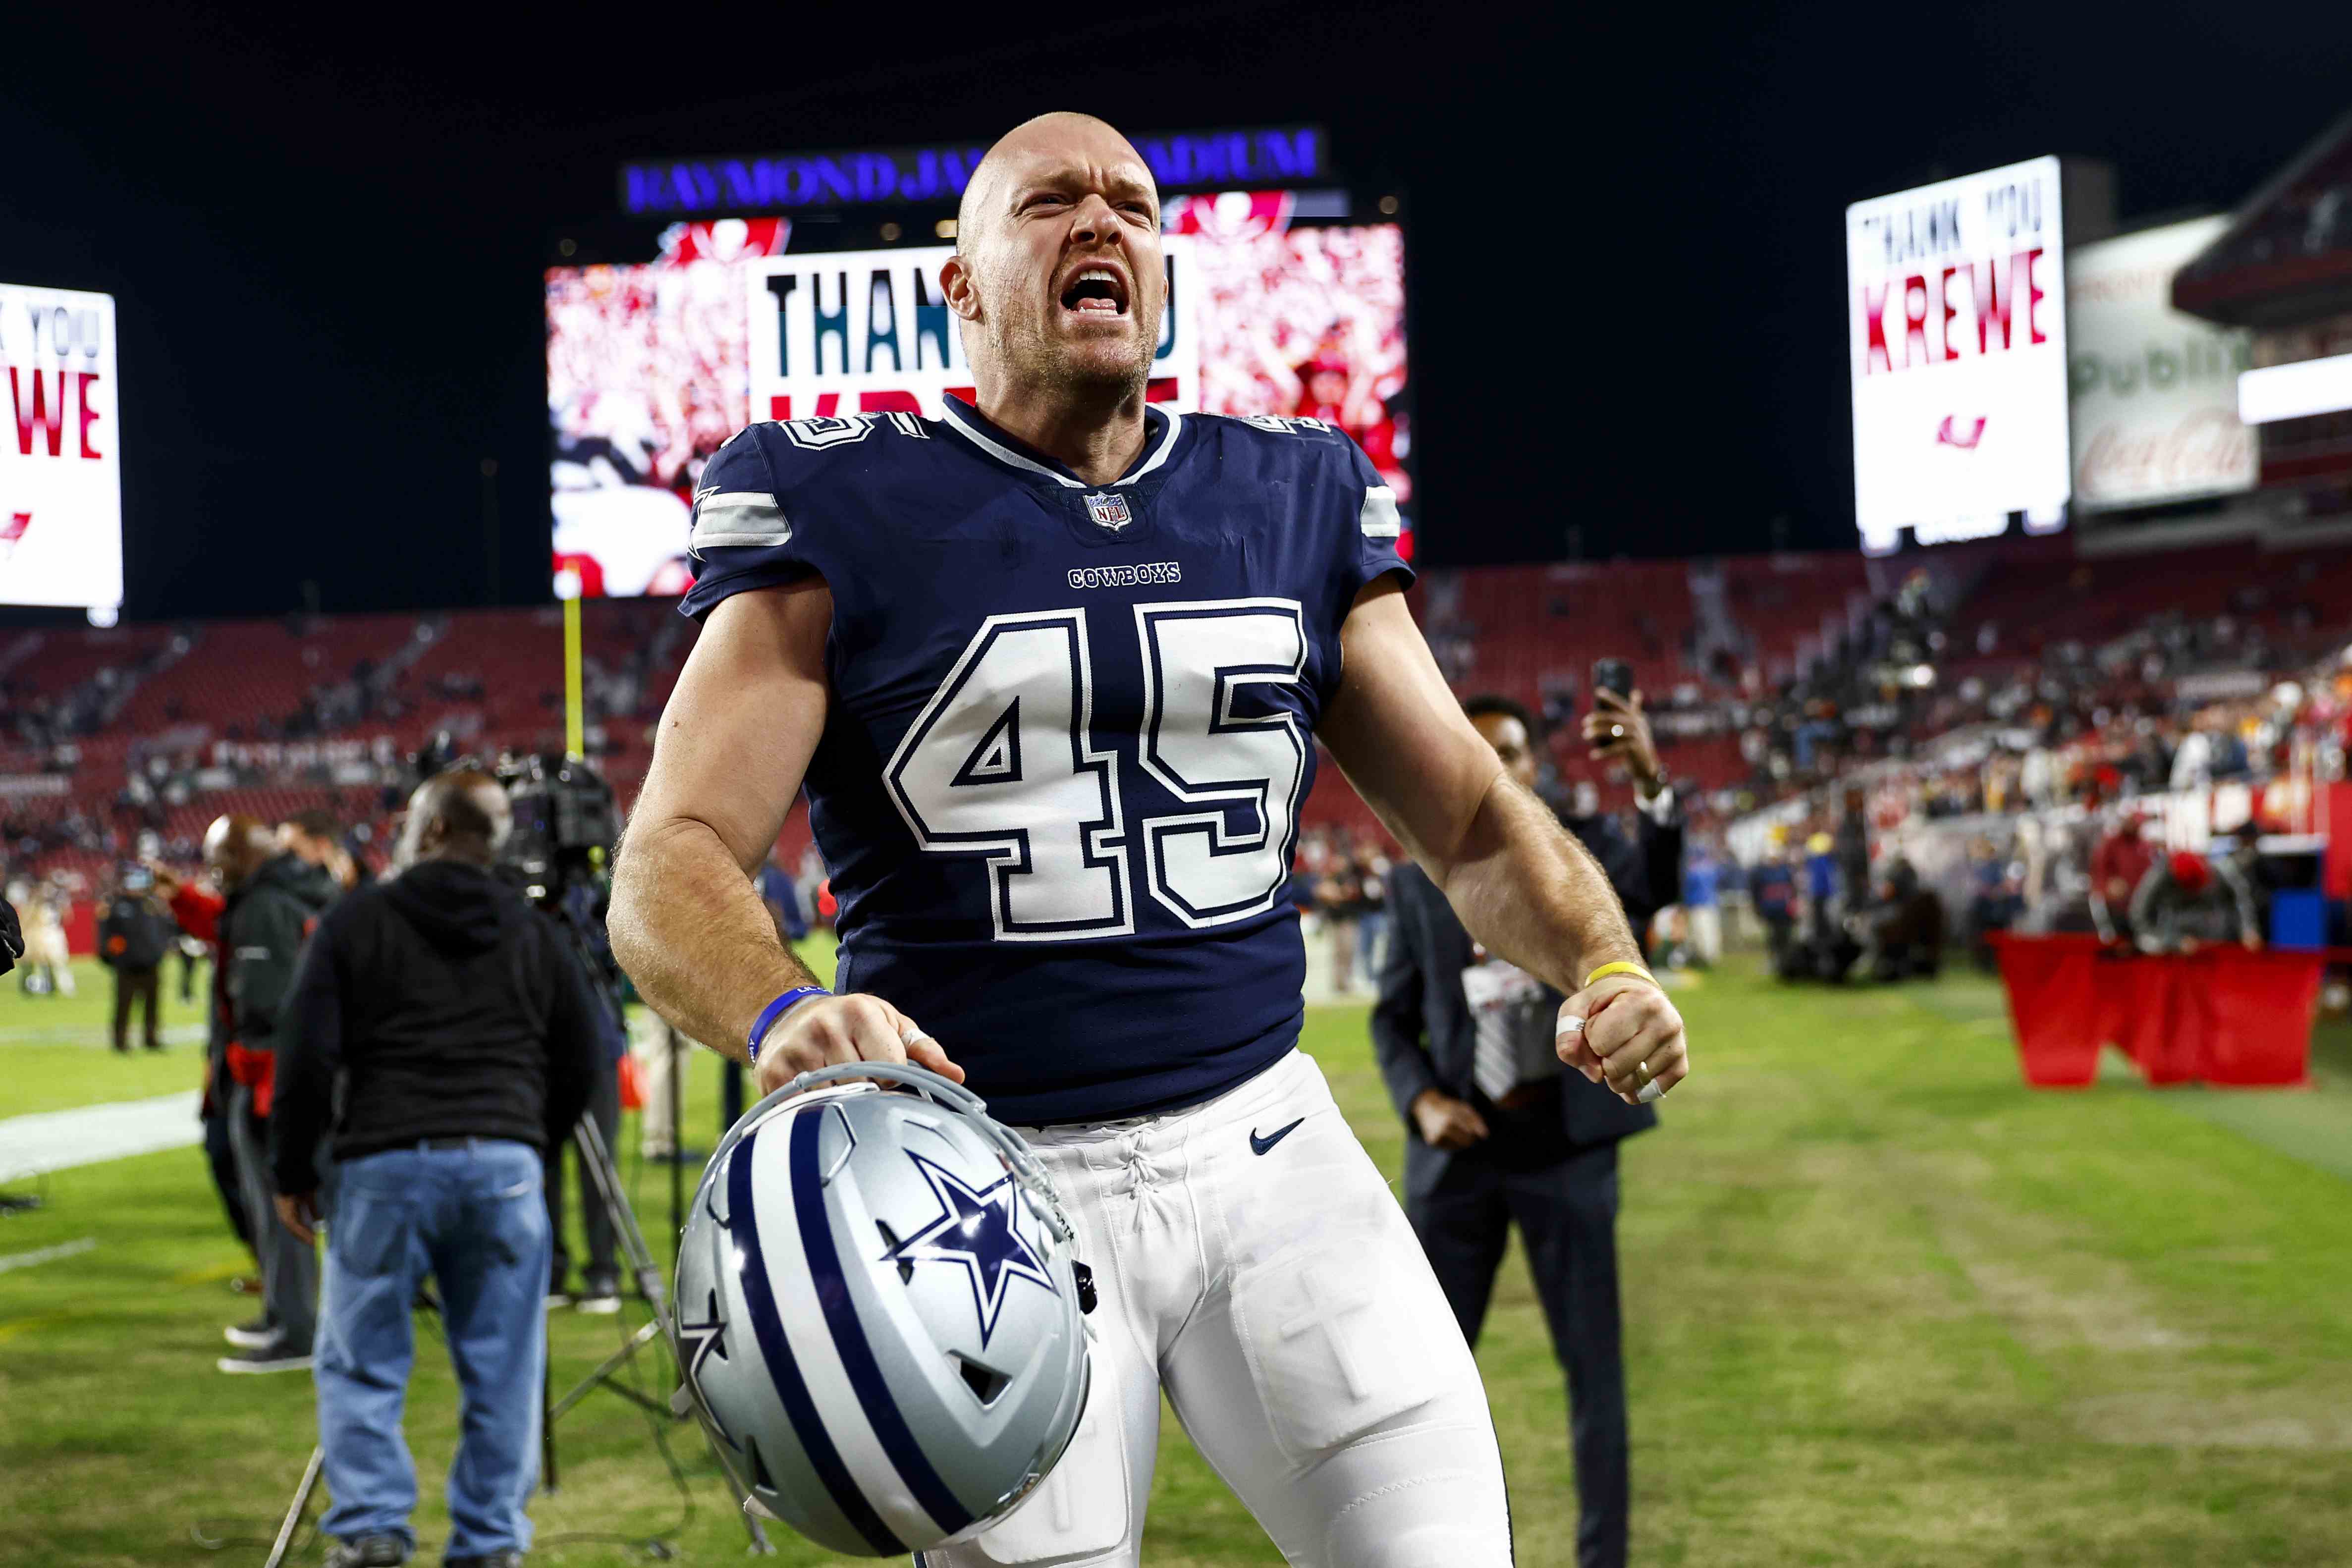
{"x": 1108, "y": 510}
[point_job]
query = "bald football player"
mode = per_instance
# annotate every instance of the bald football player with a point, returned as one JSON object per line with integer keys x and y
{"x": 1051, "y": 668}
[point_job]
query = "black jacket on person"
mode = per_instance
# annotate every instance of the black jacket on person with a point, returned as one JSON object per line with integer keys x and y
{"x": 262, "y": 928}
{"x": 1425, "y": 1039}
{"x": 448, "y": 1008}
{"x": 134, "y": 934}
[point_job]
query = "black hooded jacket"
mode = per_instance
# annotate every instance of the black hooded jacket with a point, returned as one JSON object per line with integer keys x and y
{"x": 262, "y": 928}
{"x": 448, "y": 1006}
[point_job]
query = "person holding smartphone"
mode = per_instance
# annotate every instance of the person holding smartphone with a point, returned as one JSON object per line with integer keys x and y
{"x": 1498, "y": 1136}
{"x": 1646, "y": 868}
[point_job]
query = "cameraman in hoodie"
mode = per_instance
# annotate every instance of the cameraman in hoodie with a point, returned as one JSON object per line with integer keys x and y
{"x": 446, "y": 1032}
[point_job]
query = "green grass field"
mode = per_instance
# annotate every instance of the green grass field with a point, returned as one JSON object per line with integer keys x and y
{"x": 1884, "y": 1307}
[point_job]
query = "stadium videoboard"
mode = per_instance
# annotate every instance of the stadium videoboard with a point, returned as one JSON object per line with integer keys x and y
{"x": 1956, "y": 312}
{"x": 61, "y": 463}
{"x": 651, "y": 368}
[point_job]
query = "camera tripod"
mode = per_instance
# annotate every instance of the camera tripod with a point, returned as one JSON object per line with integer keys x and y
{"x": 596, "y": 1160}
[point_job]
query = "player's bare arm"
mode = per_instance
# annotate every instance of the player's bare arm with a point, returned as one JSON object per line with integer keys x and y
{"x": 1522, "y": 885}
{"x": 687, "y": 922}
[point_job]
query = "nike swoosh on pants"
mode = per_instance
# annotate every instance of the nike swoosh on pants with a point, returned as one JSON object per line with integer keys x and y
{"x": 1259, "y": 1146}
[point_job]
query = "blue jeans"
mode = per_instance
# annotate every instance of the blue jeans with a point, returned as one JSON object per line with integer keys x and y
{"x": 1370, "y": 927}
{"x": 475, "y": 1219}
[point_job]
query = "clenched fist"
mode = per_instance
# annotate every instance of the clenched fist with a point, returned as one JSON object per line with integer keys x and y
{"x": 1624, "y": 1032}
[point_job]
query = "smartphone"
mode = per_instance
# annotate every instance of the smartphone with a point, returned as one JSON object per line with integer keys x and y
{"x": 1613, "y": 675}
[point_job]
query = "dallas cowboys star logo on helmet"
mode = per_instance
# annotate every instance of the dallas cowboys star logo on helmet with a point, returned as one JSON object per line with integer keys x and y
{"x": 979, "y": 1229}
{"x": 701, "y": 1341}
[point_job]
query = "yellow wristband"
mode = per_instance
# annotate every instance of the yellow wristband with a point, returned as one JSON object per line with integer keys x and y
{"x": 1619, "y": 968}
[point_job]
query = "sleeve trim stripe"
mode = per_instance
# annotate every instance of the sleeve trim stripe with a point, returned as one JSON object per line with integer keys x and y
{"x": 725, "y": 500}
{"x": 1378, "y": 518}
{"x": 703, "y": 541}
{"x": 726, "y": 517}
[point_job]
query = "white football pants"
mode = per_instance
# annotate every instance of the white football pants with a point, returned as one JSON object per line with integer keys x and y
{"x": 1249, "y": 1259}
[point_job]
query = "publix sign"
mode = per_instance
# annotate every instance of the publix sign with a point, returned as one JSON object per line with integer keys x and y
{"x": 2153, "y": 393}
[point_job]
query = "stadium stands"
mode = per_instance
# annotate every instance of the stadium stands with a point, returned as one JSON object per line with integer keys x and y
{"x": 155, "y": 730}
{"x": 1764, "y": 675}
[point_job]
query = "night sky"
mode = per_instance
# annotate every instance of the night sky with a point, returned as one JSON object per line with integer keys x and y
{"x": 1627, "y": 228}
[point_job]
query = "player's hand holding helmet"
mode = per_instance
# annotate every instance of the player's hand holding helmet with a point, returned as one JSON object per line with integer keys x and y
{"x": 878, "y": 1312}
{"x": 826, "y": 1029}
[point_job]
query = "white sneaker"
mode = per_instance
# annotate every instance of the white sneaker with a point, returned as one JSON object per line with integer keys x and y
{"x": 259, "y": 1334}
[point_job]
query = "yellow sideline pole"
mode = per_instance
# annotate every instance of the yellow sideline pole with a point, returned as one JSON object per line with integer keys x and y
{"x": 575, "y": 724}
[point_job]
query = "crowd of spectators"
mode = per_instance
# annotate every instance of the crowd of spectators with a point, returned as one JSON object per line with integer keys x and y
{"x": 49, "y": 716}
{"x": 1937, "y": 703}
{"x": 1925, "y": 700}
{"x": 2079, "y": 779}
{"x": 1340, "y": 882}
{"x": 31, "y": 833}
{"x": 2028, "y": 737}
{"x": 80, "y": 795}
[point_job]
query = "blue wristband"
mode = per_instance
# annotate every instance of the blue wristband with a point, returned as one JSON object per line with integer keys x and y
{"x": 776, "y": 1009}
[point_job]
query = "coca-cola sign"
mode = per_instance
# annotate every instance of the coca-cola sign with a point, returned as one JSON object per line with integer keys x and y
{"x": 2154, "y": 392}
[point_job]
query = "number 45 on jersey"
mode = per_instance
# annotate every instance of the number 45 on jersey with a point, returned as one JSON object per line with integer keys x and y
{"x": 1002, "y": 764}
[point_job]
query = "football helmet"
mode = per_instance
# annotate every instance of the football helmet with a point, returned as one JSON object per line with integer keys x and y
{"x": 878, "y": 1314}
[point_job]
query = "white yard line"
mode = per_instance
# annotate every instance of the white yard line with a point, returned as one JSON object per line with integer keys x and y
{"x": 88, "y": 1135}
{"x": 46, "y": 1254}
{"x": 94, "y": 1035}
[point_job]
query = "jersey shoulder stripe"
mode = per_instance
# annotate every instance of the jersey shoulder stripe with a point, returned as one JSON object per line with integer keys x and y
{"x": 742, "y": 498}
{"x": 737, "y": 517}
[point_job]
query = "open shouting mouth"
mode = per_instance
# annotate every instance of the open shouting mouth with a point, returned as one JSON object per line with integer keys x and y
{"x": 1094, "y": 290}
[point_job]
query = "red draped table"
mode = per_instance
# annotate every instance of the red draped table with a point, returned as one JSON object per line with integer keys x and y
{"x": 2221, "y": 1015}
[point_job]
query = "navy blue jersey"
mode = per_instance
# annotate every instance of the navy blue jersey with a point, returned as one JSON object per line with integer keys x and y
{"x": 1069, "y": 734}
